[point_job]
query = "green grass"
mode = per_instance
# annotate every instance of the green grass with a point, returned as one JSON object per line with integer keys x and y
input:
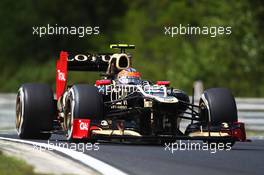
{"x": 254, "y": 133}
{"x": 10, "y": 165}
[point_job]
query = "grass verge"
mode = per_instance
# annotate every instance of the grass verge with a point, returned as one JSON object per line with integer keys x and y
{"x": 254, "y": 133}
{"x": 10, "y": 165}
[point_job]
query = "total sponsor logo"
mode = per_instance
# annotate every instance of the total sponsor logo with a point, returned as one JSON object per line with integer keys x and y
{"x": 81, "y": 128}
{"x": 61, "y": 76}
{"x": 83, "y": 125}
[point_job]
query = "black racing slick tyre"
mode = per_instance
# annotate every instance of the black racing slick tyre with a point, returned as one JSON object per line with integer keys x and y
{"x": 84, "y": 102}
{"x": 218, "y": 106}
{"x": 35, "y": 111}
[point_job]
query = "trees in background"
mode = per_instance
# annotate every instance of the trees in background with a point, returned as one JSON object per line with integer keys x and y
{"x": 234, "y": 61}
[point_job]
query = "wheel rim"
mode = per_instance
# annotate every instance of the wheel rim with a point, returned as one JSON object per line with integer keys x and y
{"x": 19, "y": 111}
{"x": 204, "y": 109}
{"x": 69, "y": 123}
{"x": 69, "y": 117}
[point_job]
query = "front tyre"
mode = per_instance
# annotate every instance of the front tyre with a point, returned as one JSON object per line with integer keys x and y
{"x": 218, "y": 106}
{"x": 82, "y": 102}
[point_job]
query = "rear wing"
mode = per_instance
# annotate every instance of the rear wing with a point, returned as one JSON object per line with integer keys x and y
{"x": 87, "y": 62}
{"x": 90, "y": 62}
{"x": 80, "y": 62}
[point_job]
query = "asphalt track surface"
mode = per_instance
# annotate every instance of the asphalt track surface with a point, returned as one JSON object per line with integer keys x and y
{"x": 244, "y": 158}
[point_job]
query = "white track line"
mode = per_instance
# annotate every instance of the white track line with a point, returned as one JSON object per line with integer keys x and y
{"x": 96, "y": 164}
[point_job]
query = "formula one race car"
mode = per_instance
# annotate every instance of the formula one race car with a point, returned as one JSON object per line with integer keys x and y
{"x": 122, "y": 106}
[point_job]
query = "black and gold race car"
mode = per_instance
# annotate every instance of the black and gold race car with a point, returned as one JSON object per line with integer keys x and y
{"x": 122, "y": 105}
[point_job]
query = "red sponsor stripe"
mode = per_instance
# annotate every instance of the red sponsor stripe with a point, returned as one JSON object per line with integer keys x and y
{"x": 61, "y": 74}
{"x": 81, "y": 128}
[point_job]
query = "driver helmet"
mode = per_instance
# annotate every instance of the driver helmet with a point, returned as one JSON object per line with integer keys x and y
{"x": 129, "y": 76}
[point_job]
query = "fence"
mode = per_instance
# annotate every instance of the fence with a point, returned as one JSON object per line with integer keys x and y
{"x": 250, "y": 111}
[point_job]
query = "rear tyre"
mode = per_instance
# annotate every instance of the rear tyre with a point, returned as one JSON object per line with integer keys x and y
{"x": 35, "y": 111}
{"x": 84, "y": 102}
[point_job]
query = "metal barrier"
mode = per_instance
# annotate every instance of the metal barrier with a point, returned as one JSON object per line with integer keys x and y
{"x": 7, "y": 111}
{"x": 250, "y": 111}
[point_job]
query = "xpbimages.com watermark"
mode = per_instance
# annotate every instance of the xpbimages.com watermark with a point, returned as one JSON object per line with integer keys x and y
{"x": 212, "y": 31}
{"x": 188, "y": 145}
{"x": 80, "y": 147}
{"x": 80, "y": 31}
